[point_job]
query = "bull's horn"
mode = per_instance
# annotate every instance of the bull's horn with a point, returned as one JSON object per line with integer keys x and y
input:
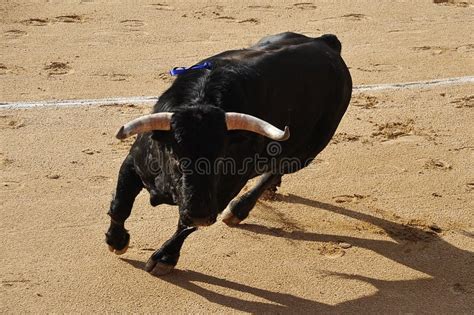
{"x": 238, "y": 121}
{"x": 158, "y": 121}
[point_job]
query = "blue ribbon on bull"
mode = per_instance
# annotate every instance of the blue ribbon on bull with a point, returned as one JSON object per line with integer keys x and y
{"x": 181, "y": 70}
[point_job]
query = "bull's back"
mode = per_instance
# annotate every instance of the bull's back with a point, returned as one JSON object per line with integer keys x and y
{"x": 301, "y": 82}
{"x": 289, "y": 38}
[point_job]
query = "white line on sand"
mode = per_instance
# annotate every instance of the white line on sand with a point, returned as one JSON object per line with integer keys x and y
{"x": 153, "y": 99}
{"x": 414, "y": 85}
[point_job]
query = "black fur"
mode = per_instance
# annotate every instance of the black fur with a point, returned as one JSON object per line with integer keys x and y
{"x": 285, "y": 79}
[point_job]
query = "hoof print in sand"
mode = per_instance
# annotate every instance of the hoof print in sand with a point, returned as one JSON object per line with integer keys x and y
{"x": 458, "y": 3}
{"x": 341, "y": 137}
{"x": 35, "y": 22}
{"x": 133, "y": 25}
{"x": 394, "y": 130}
{"x": 57, "y": 68}
{"x": 12, "y": 34}
{"x": 90, "y": 151}
{"x": 365, "y": 101}
{"x": 225, "y": 17}
{"x": 379, "y": 67}
{"x": 304, "y": 6}
{"x": 260, "y": 7}
{"x": 434, "y": 50}
{"x": 348, "y": 198}
{"x": 249, "y": 21}
{"x": 464, "y": 102}
{"x": 73, "y": 18}
{"x": 355, "y": 16}
{"x": 416, "y": 231}
{"x": 9, "y": 122}
{"x": 212, "y": 11}
{"x": 331, "y": 250}
{"x": 161, "y": 7}
{"x": 115, "y": 76}
{"x": 435, "y": 164}
{"x": 119, "y": 76}
{"x": 438, "y": 50}
{"x": 4, "y": 161}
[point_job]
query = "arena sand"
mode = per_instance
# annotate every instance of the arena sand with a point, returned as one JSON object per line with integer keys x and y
{"x": 381, "y": 222}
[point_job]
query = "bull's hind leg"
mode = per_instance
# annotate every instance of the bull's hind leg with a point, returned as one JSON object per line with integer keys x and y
{"x": 164, "y": 259}
{"x": 239, "y": 208}
{"x": 129, "y": 185}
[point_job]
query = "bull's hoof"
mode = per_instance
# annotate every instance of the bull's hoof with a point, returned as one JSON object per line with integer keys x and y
{"x": 123, "y": 250}
{"x": 119, "y": 251}
{"x": 117, "y": 240}
{"x": 229, "y": 218}
{"x": 158, "y": 268}
{"x": 161, "y": 262}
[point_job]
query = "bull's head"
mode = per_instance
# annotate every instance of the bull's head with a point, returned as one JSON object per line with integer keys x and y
{"x": 192, "y": 135}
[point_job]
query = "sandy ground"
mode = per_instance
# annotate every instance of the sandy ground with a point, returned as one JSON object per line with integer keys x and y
{"x": 382, "y": 222}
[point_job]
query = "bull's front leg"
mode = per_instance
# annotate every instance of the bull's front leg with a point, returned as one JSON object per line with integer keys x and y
{"x": 129, "y": 186}
{"x": 165, "y": 259}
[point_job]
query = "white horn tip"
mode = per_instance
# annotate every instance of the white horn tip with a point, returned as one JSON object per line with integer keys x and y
{"x": 121, "y": 133}
{"x": 286, "y": 134}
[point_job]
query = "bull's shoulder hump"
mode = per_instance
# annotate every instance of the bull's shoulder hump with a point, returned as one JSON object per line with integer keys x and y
{"x": 282, "y": 39}
{"x": 277, "y": 45}
{"x": 332, "y": 41}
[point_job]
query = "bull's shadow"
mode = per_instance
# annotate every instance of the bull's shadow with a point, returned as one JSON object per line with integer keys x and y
{"x": 447, "y": 288}
{"x": 449, "y": 283}
{"x": 282, "y": 302}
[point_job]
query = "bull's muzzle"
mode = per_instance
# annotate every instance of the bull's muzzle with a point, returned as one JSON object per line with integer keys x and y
{"x": 189, "y": 220}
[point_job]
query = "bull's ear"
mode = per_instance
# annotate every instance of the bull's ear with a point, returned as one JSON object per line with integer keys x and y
{"x": 161, "y": 136}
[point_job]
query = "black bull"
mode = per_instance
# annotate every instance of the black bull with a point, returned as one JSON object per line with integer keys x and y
{"x": 286, "y": 80}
